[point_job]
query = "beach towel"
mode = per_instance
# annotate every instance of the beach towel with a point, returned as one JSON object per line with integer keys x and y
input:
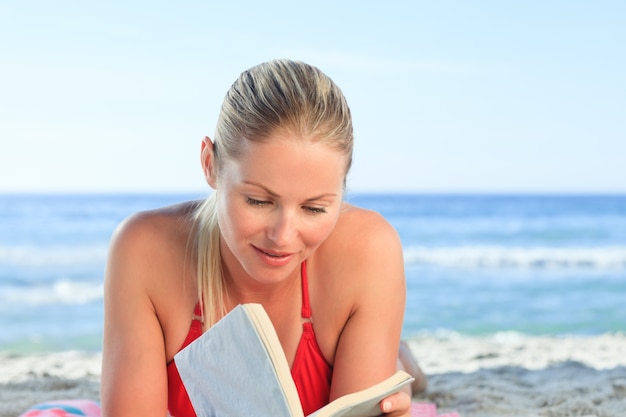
{"x": 422, "y": 409}
{"x": 66, "y": 408}
{"x": 87, "y": 408}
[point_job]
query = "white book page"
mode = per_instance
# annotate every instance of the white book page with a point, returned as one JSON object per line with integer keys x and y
{"x": 226, "y": 372}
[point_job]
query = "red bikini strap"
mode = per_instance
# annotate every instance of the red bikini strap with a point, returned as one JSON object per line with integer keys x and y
{"x": 306, "y": 305}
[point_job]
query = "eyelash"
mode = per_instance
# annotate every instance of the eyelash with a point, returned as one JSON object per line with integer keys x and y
{"x": 261, "y": 203}
{"x": 315, "y": 210}
{"x": 258, "y": 203}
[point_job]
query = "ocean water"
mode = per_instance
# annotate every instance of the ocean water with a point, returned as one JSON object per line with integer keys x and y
{"x": 475, "y": 264}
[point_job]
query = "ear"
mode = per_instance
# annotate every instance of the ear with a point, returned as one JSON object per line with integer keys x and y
{"x": 207, "y": 158}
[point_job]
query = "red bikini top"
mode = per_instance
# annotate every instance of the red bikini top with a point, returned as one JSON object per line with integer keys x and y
{"x": 310, "y": 371}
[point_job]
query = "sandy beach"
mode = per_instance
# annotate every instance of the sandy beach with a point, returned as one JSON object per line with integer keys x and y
{"x": 502, "y": 375}
{"x": 514, "y": 375}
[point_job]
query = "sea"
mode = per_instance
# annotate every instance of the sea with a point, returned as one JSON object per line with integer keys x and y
{"x": 476, "y": 265}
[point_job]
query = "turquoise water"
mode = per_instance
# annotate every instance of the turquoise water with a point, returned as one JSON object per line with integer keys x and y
{"x": 475, "y": 265}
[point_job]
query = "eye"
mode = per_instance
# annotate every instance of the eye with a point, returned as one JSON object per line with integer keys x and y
{"x": 257, "y": 203}
{"x": 315, "y": 210}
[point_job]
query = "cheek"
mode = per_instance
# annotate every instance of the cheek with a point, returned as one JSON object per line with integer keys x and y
{"x": 227, "y": 219}
{"x": 236, "y": 221}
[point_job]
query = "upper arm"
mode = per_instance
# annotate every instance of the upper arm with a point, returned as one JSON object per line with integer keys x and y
{"x": 134, "y": 381}
{"x": 367, "y": 348}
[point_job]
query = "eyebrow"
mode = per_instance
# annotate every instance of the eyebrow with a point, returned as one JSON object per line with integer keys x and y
{"x": 273, "y": 194}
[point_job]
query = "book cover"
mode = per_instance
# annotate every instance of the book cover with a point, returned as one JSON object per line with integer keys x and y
{"x": 228, "y": 371}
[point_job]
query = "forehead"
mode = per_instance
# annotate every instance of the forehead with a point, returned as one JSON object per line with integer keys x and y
{"x": 288, "y": 163}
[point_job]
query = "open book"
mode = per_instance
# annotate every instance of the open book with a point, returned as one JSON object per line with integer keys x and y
{"x": 237, "y": 368}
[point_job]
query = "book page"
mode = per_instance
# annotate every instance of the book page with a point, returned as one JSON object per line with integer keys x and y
{"x": 268, "y": 335}
{"x": 365, "y": 403}
{"x": 227, "y": 372}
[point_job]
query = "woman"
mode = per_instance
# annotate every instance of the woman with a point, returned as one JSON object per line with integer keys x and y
{"x": 275, "y": 231}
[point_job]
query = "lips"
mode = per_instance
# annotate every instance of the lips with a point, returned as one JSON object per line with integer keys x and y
{"x": 274, "y": 254}
{"x": 273, "y": 258}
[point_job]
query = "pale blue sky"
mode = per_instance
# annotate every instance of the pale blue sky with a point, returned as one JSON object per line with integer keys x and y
{"x": 447, "y": 96}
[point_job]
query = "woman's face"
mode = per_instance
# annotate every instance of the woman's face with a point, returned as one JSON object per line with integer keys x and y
{"x": 276, "y": 204}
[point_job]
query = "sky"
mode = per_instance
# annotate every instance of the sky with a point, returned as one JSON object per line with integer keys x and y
{"x": 446, "y": 96}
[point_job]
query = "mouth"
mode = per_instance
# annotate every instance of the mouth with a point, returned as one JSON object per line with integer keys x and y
{"x": 273, "y": 254}
{"x": 273, "y": 258}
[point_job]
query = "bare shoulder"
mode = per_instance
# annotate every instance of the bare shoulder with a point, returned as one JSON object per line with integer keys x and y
{"x": 363, "y": 248}
{"x": 149, "y": 230}
{"x": 155, "y": 223}
{"x": 361, "y": 232}
{"x": 148, "y": 241}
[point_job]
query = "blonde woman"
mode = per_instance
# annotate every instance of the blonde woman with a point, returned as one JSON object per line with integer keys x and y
{"x": 275, "y": 231}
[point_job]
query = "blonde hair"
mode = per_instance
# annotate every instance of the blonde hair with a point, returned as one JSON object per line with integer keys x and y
{"x": 276, "y": 96}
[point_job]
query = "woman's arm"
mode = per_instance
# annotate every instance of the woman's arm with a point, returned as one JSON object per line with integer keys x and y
{"x": 367, "y": 350}
{"x": 134, "y": 381}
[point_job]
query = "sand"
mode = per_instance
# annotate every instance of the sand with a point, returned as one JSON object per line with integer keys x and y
{"x": 27, "y": 380}
{"x": 511, "y": 375}
{"x": 504, "y": 375}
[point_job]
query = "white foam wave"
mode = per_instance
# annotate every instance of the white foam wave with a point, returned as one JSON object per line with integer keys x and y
{"x": 59, "y": 292}
{"x": 38, "y": 256}
{"x": 602, "y": 258}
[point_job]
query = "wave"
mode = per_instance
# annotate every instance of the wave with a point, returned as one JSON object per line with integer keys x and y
{"x": 42, "y": 256}
{"x": 601, "y": 258}
{"x": 59, "y": 292}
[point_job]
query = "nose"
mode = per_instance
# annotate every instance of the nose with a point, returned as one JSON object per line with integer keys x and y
{"x": 282, "y": 229}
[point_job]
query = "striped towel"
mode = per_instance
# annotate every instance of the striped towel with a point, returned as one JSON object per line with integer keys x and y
{"x": 66, "y": 408}
{"x": 87, "y": 408}
{"x": 419, "y": 409}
